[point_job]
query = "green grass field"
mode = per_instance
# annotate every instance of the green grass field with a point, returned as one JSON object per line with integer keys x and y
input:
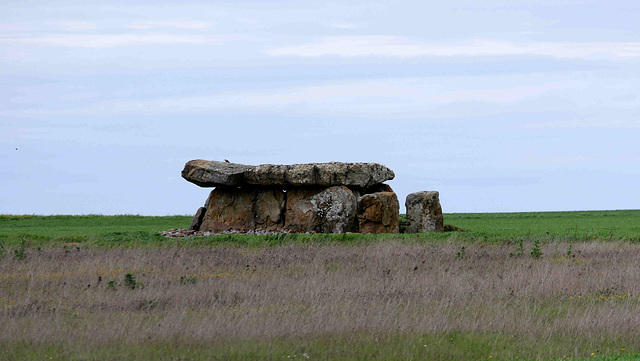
{"x": 491, "y": 227}
{"x": 593, "y": 225}
{"x": 112, "y": 288}
{"x": 49, "y": 227}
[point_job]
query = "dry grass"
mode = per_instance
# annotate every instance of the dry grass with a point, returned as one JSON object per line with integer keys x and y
{"x": 554, "y": 306}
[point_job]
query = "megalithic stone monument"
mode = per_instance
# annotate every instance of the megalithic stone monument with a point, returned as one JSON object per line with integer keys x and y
{"x": 330, "y": 197}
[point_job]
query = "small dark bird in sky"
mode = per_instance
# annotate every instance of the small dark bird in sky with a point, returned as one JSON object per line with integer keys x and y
{"x": 16, "y": 148}
{"x": 226, "y": 160}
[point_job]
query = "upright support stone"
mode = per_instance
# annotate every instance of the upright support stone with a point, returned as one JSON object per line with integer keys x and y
{"x": 196, "y": 221}
{"x": 424, "y": 213}
{"x": 229, "y": 209}
{"x": 244, "y": 210}
{"x": 321, "y": 210}
{"x": 268, "y": 208}
{"x": 379, "y": 213}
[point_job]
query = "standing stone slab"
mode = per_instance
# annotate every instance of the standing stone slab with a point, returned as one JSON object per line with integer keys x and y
{"x": 424, "y": 213}
{"x": 268, "y": 208}
{"x": 328, "y": 210}
{"x": 209, "y": 173}
{"x": 359, "y": 175}
{"x": 196, "y": 221}
{"x": 379, "y": 213}
{"x": 229, "y": 209}
{"x": 244, "y": 210}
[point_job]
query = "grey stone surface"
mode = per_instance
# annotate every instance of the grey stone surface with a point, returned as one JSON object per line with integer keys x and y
{"x": 321, "y": 210}
{"x": 424, "y": 213}
{"x": 359, "y": 175}
{"x": 210, "y": 173}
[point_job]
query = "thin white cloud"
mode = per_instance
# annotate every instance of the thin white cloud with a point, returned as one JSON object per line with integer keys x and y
{"x": 117, "y": 40}
{"x": 504, "y": 95}
{"x": 247, "y": 21}
{"x": 390, "y": 46}
{"x": 560, "y": 160}
{"x": 73, "y": 25}
{"x": 13, "y": 27}
{"x": 177, "y": 24}
{"x": 379, "y": 99}
{"x": 344, "y": 26}
{"x": 589, "y": 123}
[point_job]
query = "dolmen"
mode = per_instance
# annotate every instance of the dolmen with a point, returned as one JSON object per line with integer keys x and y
{"x": 332, "y": 197}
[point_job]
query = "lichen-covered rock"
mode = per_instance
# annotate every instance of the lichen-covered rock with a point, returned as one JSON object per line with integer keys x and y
{"x": 243, "y": 210}
{"x": 268, "y": 207}
{"x": 321, "y": 210}
{"x": 379, "y": 213}
{"x": 210, "y": 173}
{"x": 196, "y": 221}
{"x": 229, "y": 209}
{"x": 424, "y": 213}
{"x": 360, "y": 175}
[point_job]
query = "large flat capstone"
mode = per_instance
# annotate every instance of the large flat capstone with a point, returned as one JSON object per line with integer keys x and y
{"x": 319, "y": 174}
{"x": 212, "y": 174}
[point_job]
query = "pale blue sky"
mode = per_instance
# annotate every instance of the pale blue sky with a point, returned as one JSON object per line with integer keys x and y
{"x": 503, "y": 105}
